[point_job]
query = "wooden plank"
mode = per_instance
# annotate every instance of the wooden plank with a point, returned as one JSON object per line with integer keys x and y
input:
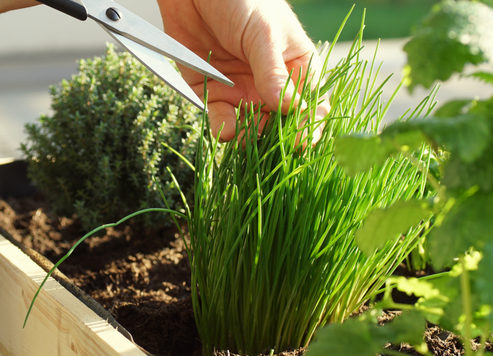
{"x": 59, "y": 324}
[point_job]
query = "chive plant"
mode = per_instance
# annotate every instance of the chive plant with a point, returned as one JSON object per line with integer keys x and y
{"x": 272, "y": 229}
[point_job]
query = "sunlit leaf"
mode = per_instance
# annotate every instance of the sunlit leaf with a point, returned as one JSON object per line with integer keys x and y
{"x": 361, "y": 337}
{"x": 383, "y": 225}
{"x": 339, "y": 339}
{"x": 453, "y": 34}
{"x": 359, "y": 153}
{"x": 415, "y": 286}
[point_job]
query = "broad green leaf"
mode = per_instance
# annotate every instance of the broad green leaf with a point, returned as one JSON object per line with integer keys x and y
{"x": 408, "y": 327}
{"x": 471, "y": 162}
{"x": 432, "y": 306}
{"x": 452, "y": 313}
{"x": 483, "y": 108}
{"x": 359, "y": 153}
{"x": 360, "y": 337}
{"x": 453, "y": 108}
{"x": 463, "y": 175}
{"x": 453, "y": 316}
{"x": 453, "y": 34}
{"x": 486, "y": 77}
{"x": 339, "y": 339}
{"x": 468, "y": 224}
{"x": 386, "y": 224}
{"x": 466, "y": 135}
{"x": 432, "y": 309}
{"x": 407, "y": 140}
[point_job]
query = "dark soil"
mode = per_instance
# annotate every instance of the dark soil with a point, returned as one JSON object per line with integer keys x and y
{"x": 141, "y": 276}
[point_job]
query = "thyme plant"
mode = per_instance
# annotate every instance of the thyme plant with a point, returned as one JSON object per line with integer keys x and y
{"x": 273, "y": 251}
{"x": 96, "y": 155}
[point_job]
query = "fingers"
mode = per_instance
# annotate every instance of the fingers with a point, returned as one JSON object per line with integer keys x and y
{"x": 318, "y": 114}
{"x": 321, "y": 113}
{"x": 311, "y": 131}
{"x": 223, "y": 106}
{"x": 270, "y": 72}
{"x": 222, "y": 118}
{"x": 8, "y": 5}
{"x": 270, "y": 41}
{"x": 224, "y": 101}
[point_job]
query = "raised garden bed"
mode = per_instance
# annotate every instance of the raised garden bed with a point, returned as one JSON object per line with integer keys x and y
{"x": 134, "y": 285}
{"x": 141, "y": 276}
{"x": 61, "y": 323}
{"x": 151, "y": 302}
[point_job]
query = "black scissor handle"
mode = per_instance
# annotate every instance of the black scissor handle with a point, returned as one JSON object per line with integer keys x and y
{"x": 74, "y": 8}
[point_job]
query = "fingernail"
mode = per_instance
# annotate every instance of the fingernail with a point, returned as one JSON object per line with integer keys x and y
{"x": 304, "y": 105}
{"x": 289, "y": 92}
{"x": 322, "y": 110}
{"x": 317, "y": 135}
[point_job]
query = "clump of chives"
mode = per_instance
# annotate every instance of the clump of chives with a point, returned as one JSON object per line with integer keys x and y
{"x": 272, "y": 230}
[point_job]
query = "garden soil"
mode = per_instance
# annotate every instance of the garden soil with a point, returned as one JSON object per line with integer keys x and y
{"x": 141, "y": 276}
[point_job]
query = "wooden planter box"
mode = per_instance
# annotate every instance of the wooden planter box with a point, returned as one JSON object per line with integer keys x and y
{"x": 59, "y": 324}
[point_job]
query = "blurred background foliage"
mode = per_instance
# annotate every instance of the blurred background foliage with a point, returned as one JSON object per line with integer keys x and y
{"x": 384, "y": 18}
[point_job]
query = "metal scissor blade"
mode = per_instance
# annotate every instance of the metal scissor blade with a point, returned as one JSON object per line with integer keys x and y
{"x": 133, "y": 27}
{"x": 160, "y": 66}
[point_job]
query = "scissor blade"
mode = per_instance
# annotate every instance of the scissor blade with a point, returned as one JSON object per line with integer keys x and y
{"x": 160, "y": 66}
{"x": 135, "y": 28}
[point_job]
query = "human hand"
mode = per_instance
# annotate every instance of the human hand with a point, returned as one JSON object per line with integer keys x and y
{"x": 255, "y": 43}
{"x": 8, "y": 5}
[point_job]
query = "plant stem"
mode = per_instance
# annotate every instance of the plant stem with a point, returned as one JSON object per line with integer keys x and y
{"x": 55, "y": 266}
{"x": 484, "y": 337}
{"x": 466, "y": 305}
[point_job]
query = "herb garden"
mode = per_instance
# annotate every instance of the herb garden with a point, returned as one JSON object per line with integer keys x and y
{"x": 269, "y": 243}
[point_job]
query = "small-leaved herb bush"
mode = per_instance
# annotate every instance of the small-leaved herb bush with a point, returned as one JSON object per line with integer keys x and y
{"x": 96, "y": 155}
{"x": 455, "y": 33}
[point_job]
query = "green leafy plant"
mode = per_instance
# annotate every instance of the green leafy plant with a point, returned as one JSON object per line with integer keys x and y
{"x": 97, "y": 154}
{"x": 460, "y": 31}
{"x": 461, "y": 133}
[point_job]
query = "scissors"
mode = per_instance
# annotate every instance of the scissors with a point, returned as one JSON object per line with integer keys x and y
{"x": 144, "y": 41}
